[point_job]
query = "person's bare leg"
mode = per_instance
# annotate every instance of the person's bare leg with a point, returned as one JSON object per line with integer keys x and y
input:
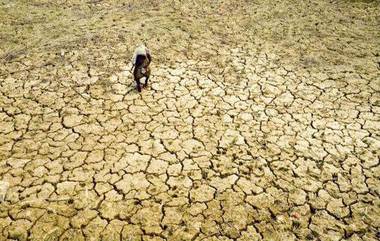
{"x": 138, "y": 85}
{"x": 146, "y": 81}
{"x": 147, "y": 77}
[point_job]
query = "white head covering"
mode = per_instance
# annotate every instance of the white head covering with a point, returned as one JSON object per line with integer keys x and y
{"x": 140, "y": 50}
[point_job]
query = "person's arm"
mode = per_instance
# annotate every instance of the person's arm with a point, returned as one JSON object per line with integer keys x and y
{"x": 148, "y": 55}
{"x": 133, "y": 61}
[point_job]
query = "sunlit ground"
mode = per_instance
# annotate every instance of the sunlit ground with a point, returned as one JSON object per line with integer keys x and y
{"x": 261, "y": 120}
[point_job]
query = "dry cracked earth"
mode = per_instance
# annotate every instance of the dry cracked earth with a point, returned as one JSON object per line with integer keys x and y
{"x": 261, "y": 120}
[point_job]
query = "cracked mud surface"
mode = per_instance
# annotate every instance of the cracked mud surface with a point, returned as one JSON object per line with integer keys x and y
{"x": 261, "y": 121}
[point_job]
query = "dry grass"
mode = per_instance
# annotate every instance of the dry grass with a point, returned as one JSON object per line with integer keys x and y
{"x": 193, "y": 29}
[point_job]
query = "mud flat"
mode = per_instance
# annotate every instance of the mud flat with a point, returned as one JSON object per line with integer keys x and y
{"x": 261, "y": 121}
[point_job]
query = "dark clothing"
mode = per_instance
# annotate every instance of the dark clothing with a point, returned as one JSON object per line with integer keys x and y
{"x": 140, "y": 59}
{"x": 142, "y": 69}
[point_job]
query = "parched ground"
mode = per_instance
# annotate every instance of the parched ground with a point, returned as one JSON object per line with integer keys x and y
{"x": 261, "y": 121}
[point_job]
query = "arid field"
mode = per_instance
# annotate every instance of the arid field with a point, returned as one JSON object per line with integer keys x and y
{"x": 261, "y": 120}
